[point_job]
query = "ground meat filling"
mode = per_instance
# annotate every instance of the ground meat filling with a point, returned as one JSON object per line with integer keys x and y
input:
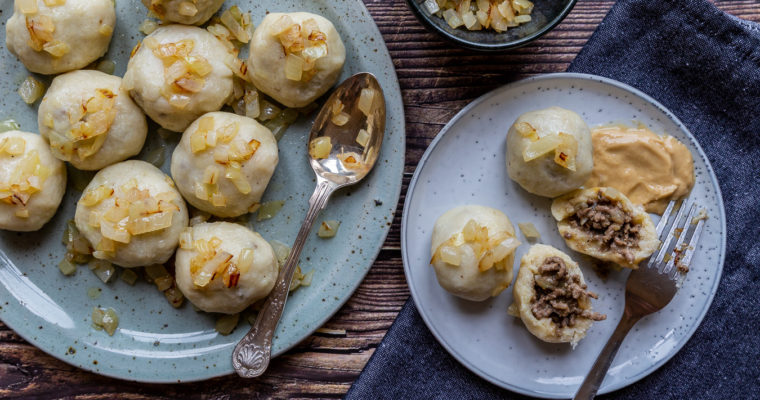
{"x": 558, "y": 295}
{"x": 608, "y": 223}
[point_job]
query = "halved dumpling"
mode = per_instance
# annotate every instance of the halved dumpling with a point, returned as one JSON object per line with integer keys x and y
{"x": 473, "y": 249}
{"x": 551, "y": 296}
{"x": 603, "y": 223}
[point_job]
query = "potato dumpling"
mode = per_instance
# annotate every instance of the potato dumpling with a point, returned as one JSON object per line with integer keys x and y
{"x": 224, "y": 163}
{"x": 551, "y": 296}
{"x": 32, "y": 182}
{"x": 473, "y": 249}
{"x": 186, "y": 12}
{"x": 177, "y": 74}
{"x": 602, "y": 223}
{"x": 549, "y": 151}
{"x": 224, "y": 267}
{"x": 61, "y": 37}
{"x": 295, "y": 57}
{"x": 132, "y": 214}
{"x": 90, "y": 120}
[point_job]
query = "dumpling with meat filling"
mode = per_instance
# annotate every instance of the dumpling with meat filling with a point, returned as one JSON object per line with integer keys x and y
{"x": 473, "y": 249}
{"x": 186, "y": 12}
{"x": 90, "y": 121}
{"x": 32, "y": 182}
{"x": 602, "y": 223}
{"x": 224, "y": 267}
{"x": 295, "y": 57}
{"x": 51, "y": 37}
{"x": 177, "y": 74}
{"x": 549, "y": 151}
{"x": 132, "y": 214}
{"x": 551, "y": 296}
{"x": 224, "y": 163}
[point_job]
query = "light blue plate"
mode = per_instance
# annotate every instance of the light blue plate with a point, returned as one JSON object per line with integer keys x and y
{"x": 154, "y": 342}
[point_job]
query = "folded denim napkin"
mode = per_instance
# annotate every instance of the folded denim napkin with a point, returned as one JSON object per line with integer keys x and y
{"x": 704, "y": 66}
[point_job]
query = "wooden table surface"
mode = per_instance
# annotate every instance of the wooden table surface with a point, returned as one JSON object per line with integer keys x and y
{"x": 437, "y": 80}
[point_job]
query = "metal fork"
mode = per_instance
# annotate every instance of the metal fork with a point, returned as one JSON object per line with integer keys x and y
{"x": 651, "y": 288}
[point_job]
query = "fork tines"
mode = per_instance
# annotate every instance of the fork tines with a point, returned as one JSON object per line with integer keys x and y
{"x": 678, "y": 243}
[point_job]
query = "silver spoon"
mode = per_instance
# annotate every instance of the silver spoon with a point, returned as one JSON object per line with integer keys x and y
{"x": 348, "y": 163}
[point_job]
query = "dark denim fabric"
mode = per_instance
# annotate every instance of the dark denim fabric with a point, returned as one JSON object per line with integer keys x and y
{"x": 705, "y": 67}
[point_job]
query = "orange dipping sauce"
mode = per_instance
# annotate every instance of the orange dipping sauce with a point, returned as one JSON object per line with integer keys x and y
{"x": 649, "y": 169}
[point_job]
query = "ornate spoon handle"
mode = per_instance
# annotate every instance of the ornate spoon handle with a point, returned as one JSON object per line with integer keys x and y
{"x": 251, "y": 356}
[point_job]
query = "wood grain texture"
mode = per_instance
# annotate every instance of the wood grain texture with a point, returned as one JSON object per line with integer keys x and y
{"x": 437, "y": 81}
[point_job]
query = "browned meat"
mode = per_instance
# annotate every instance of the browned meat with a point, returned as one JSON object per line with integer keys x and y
{"x": 609, "y": 224}
{"x": 558, "y": 295}
{"x": 678, "y": 258}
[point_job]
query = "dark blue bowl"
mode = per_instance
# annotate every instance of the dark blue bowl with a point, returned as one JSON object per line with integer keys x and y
{"x": 546, "y": 15}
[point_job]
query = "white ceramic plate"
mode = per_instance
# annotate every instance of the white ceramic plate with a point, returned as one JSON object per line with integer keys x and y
{"x": 466, "y": 164}
{"x": 154, "y": 342}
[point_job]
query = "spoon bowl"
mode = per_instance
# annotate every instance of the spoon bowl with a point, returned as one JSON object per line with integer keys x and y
{"x": 345, "y": 137}
{"x": 352, "y": 122}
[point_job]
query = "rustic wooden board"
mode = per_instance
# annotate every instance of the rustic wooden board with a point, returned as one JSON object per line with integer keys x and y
{"x": 437, "y": 81}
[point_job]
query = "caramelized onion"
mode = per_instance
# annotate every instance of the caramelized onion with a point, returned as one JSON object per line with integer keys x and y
{"x": 56, "y": 48}
{"x": 235, "y": 174}
{"x": 27, "y": 6}
{"x": 90, "y": 124}
{"x": 211, "y": 262}
{"x": 328, "y": 229}
{"x": 40, "y": 30}
{"x": 245, "y": 260}
{"x": 540, "y": 147}
{"x": 187, "y": 9}
{"x": 239, "y": 24}
{"x": 499, "y": 15}
{"x": 132, "y": 212}
{"x": 366, "y": 99}
{"x": 362, "y": 138}
{"x": 105, "y": 319}
{"x": 8, "y": 125}
{"x": 67, "y": 267}
{"x": 96, "y": 195}
{"x": 566, "y": 151}
{"x": 184, "y": 73}
{"x": 270, "y": 209}
{"x": 303, "y": 44}
{"x": 26, "y": 178}
{"x": 489, "y": 249}
{"x": 529, "y": 230}
{"x": 31, "y": 90}
{"x": 225, "y": 324}
{"x": 148, "y": 26}
{"x": 320, "y": 147}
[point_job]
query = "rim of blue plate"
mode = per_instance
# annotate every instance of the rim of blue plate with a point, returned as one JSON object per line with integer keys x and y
{"x": 462, "y": 113}
{"x": 451, "y": 37}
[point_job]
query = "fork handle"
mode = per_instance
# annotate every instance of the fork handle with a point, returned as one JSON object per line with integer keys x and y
{"x": 594, "y": 379}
